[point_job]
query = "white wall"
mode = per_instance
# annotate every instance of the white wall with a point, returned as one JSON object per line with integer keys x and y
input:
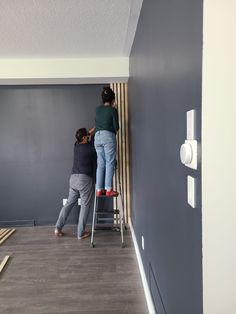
{"x": 219, "y": 157}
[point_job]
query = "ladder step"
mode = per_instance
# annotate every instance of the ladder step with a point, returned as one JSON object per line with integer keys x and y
{"x": 103, "y": 212}
{"x": 104, "y": 196}
{"x": 104, "y": 218}
{"x": 107, "y": 227}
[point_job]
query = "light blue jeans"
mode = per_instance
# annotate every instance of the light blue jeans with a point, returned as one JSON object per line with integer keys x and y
{"x": 105, "y": 145}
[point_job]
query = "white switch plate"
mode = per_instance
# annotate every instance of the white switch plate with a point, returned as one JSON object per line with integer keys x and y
{"x": 142, "y": 242}
{"x": 191, "y": 184}
{"x": 64, "y": 200}
{"x": 191, "y": 124}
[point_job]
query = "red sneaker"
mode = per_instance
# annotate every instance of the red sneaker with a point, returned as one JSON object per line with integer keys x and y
{"x": 112, "y": 193}
{"x": 100, "y": 193}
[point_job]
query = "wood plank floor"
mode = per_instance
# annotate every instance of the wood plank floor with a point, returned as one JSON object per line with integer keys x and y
{"x": 64, "y": 275}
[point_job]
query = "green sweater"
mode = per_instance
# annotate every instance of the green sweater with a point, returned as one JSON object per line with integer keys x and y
{"x": 106, "y": 119}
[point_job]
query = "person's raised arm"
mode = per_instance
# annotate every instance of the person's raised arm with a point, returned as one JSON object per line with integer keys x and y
{"x": 91, "y": 131}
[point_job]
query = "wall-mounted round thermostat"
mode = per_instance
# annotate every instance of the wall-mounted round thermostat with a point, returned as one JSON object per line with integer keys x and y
{"x": 186, "y": 153}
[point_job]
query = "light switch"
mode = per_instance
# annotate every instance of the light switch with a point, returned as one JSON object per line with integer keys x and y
{"x": 191, "y": 124}
{"x": 189, "y": 150}
{"x": 191, "y": 185}
{"x": 64, "y": 200}
{"x": 142, "y": 242}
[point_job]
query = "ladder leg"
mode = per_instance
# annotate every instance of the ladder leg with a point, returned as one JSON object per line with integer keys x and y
{"x": 94, "y": 214}
{"x": 121, "y": 215}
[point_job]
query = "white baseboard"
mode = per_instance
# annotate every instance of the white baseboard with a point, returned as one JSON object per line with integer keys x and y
{"x": 147, "y": 292}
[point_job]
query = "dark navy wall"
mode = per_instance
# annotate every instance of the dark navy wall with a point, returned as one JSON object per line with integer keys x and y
{"x": 37, "y": 127}
{"x": 165, "y": 82}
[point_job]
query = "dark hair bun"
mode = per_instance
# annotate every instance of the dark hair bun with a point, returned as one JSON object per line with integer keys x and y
{"x": 107, "y": 94}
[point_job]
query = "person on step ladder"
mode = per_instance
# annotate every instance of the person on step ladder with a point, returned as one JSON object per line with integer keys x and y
{"x": 106, "y": 127}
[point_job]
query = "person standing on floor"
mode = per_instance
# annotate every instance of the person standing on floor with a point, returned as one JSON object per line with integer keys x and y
{"x": 106, "y": 127}
{"x": 81, "y": 184}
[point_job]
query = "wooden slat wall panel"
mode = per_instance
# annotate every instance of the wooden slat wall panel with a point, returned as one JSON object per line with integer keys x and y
{"x": 122, "y": 173}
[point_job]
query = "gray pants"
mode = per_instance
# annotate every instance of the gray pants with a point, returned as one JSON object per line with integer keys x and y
{"x": 81, "y": 186}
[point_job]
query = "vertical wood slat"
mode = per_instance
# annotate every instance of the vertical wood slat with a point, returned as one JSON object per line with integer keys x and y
{"x": 124, "y": 164}
{"x": 121, "y": 90}
{"x": 115, "y": 183}
{"x": 120, "y": 136}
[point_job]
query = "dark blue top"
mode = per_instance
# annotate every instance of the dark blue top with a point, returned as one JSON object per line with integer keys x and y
{"x": 85, "y": 159}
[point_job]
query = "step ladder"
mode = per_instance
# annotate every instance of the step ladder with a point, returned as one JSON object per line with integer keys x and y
{"x": 117, "y": 218}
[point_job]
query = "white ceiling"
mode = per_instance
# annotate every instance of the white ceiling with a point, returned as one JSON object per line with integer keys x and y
{"x": 67, "y": 28}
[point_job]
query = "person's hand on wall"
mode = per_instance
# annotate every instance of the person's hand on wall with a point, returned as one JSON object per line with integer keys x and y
{"x": 91, "y": 131}
{"x": 91, "y": 134}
